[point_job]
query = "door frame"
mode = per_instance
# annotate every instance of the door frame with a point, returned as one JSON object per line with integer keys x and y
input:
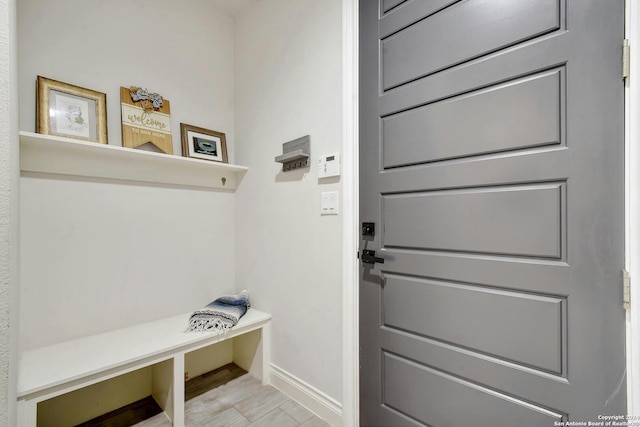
{"x": 350, "y": 198}
{"x": 632, "y": 201}
{"x": 350, "y": 216}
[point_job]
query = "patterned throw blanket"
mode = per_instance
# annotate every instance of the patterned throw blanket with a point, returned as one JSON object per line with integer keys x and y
{"x": 221, "y": 314}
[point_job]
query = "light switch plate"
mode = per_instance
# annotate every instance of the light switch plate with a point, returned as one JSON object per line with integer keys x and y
{"x": 329, "y": 203}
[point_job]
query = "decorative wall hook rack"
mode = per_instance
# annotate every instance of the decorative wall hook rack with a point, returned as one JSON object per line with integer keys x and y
{"x": 295, "y": 154}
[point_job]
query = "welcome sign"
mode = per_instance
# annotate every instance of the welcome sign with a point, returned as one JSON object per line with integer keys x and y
{"x": 140, "y": 126}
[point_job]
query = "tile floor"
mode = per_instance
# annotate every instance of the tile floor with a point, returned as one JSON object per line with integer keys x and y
{"x": 242, "y": 402}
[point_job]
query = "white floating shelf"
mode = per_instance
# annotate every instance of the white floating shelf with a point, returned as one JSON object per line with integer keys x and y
{"x": 66, "y": 156}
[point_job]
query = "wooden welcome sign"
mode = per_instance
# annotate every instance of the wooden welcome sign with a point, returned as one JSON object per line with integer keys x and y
{"x": 145, "y": 119}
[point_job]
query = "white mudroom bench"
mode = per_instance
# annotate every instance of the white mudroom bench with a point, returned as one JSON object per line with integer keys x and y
{"x": 47, "y": 372}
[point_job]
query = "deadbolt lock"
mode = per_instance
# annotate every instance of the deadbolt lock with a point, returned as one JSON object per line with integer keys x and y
{"x": 368, "y": 229}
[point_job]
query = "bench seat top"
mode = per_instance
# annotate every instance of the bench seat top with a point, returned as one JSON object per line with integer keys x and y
{"x": 52, "y": 366}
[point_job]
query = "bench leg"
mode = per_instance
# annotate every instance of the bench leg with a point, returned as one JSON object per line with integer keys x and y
{"x": 168, "y": 388}
{"x": 265, "y": 349}
{"x": 178, "y": 390}
{"x": 27, "y": 413}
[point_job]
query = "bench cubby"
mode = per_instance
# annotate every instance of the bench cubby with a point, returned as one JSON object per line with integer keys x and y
{"x": 150, "y": 358}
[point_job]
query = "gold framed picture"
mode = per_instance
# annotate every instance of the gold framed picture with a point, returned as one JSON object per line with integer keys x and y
{"x": 66, "y": 110}
{"x": 203, "y": 143}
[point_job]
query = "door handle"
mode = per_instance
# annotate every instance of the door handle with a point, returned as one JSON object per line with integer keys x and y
{"x": 369, "y": 257}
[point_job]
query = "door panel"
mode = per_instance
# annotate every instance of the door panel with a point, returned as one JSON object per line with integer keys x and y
{"x": 522, "y": 114}
{"x": 440, "y": 40}
{"x": 408, "y": 385}
{"x": 492, "y": 163}
{"x": 522, "y": 328}
{"x": 390, "y": 4}
{"x": 404, "y": 16}
{"x": 518, "y": 220}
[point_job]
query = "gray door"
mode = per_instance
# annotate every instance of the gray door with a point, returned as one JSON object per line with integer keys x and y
{"x": 492, "y": 167}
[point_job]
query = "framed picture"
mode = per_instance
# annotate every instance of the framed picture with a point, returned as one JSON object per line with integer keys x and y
{"x": 72, "y": 111}
{"x": 203, "y": 143}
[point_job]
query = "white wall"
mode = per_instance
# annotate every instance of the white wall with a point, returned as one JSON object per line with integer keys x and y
{"x": 98, "y": 255}
{"x": 288, "y": 84}
{"x": 8, "y": 214}
{"x": 181, "y": 50}
{"x": 103, "y": 255}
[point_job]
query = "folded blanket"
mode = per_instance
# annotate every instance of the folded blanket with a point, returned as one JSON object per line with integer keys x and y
{"x": 221, "y": 314}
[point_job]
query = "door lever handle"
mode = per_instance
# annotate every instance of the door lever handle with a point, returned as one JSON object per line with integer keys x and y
{"x": 369, "y": 257}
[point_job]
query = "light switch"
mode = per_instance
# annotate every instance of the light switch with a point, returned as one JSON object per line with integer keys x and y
{"x": 329, "y": 203}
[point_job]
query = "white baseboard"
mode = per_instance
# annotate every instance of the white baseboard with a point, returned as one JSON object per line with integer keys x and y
{"x": 308, "y": 396}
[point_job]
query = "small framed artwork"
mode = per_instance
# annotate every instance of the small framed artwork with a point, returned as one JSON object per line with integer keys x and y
{"x": 203, "y": 143}
{"x": 72, "y": 111}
